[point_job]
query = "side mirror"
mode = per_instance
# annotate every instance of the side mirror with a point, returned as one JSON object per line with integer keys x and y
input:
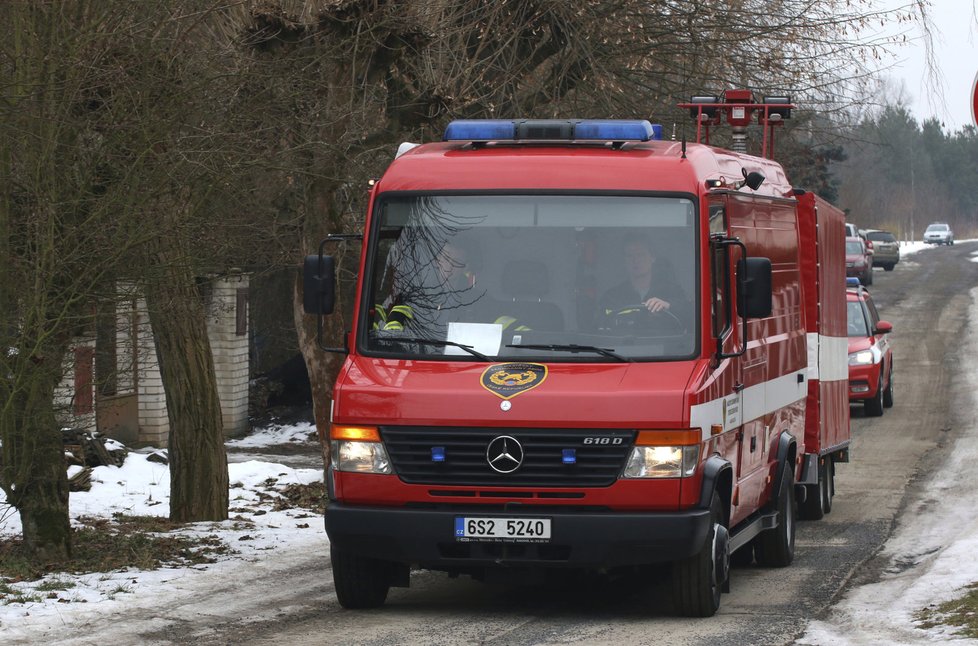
{"x": 318, "y": 284}
{"x": 883, "y": 327}
{"x": 755, "y": 287}
{"x": 754, "y": 180}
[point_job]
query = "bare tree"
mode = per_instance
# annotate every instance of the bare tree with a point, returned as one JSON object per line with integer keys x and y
{"x": 113, "y": 165}
{"x": 60, "y": 243}
{"x": 171, "y": 139}
{"x": 339, "y": 84}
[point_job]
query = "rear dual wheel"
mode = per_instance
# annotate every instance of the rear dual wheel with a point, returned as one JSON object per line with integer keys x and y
{"x": 776, "y": 547}
{"x": 829, "y": 484}
{"x": 818, "y": 502}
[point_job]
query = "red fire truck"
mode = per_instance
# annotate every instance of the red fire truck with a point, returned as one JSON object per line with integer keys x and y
{"x": 575, "y": 345}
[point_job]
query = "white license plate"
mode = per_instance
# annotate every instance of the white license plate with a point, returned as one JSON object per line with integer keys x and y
{"x": 519, "y": 530}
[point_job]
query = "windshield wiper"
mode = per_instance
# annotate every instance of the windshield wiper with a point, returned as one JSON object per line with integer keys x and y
{"x": 437, "y": 342}
{"x": 572, "y": 347}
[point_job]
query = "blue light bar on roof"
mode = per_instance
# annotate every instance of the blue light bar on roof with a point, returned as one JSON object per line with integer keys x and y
{"x": 852, "y": 281}
{"x": 548, "y": 129}
{"x": 481, "y": 130}
{"x": 617, "y": 130}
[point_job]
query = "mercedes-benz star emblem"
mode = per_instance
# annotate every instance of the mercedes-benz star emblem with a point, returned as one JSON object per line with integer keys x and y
{"x": 504, "y": 454}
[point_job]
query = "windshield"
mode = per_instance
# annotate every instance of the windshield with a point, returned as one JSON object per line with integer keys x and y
{"x": 937, "y": 228}
{"x": 547, "y": 277}
{"x": 857, "y": 319}
{"x": 854, "y": 248}
{"x": 882, "y": 237}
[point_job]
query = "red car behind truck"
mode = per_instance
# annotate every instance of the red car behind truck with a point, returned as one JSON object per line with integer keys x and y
{"x": 493, "y": 419}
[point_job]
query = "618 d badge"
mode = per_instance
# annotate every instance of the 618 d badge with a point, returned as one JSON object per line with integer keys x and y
{"x": 508, "y": 380}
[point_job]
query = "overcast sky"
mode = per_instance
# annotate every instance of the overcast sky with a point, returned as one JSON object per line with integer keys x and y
{"x": 956, "y": 52}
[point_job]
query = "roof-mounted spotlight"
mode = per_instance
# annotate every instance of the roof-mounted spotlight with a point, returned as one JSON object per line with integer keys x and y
{"x": 783, "y": 109}
{"x": 702, "y": 110}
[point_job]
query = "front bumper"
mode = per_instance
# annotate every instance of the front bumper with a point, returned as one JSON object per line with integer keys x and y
{"x": 591, "y": 539}
{"x": 863, "y": 381}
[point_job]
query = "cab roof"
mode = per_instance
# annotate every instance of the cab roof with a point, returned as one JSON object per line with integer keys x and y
{"x": 659, "y": 166}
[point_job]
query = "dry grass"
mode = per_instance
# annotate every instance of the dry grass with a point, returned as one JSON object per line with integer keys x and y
{"x": 961, "y": 613}
{"x": 103, "y": 545}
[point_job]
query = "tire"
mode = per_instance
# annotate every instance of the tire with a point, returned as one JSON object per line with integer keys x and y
{"x": 360, "y": 582}
{"x": 744, "y": 557}
{"x": 888, "y": 393}
{"x": 888, "y": 267}
{"x": 869, "y": 277}
{"x": 776, "y": 547}
{"x": 874, "y": 406}
{"x": 814, "y": 506}
{"x": 697, "y": 581}
{"x": 829, "y": 484}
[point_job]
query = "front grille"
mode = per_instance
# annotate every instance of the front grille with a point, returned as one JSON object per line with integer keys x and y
{"x": 596, "y": 464}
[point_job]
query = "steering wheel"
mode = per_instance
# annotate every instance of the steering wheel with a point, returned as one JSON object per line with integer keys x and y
{"x": 636, "y": 316}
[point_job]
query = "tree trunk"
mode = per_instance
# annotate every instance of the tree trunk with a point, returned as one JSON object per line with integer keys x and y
{"x": 198, "y": 461}
{"x": 32, "y": 466}
{"x": 321, "y": 366}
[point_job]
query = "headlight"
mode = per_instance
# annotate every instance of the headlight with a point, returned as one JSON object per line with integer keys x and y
{"x": 360, "y": 457}
{"x": 661, "y": 462}
{"x": 358, "y": 449}
{"x": 864, "y": 357}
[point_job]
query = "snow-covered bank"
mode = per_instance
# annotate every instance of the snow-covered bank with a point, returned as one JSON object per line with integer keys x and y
{"x": 256, "y": 533}
{"x": 931, "y": 554}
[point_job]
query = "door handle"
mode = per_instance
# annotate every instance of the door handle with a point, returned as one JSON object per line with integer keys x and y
{"x": 738, "y": 387}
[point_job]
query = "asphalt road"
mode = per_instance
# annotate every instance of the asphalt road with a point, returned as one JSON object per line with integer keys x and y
{"x": 926, "y": 298}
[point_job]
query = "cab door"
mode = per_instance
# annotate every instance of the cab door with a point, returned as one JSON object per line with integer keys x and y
{"x": 727, "y": 335}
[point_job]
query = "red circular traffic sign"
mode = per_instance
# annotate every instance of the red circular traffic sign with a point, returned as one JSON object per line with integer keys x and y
{"x": 974, "y": 101}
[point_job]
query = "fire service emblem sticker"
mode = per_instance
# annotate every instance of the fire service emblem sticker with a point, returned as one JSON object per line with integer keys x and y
{"x": 507, "y": 380}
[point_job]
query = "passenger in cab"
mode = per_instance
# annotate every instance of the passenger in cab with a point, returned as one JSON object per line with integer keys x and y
{"x": 454, "y": 278}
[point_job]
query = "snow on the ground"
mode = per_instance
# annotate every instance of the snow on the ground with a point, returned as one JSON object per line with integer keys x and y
{"x": 276, "y": 434}
{"x": 932, "y": 555}
{"x": 254, "y": 533}
{"x": 932, "y": 550}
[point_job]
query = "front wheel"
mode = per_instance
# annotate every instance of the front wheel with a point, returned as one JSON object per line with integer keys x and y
{"x": 360, "y": 582}
{"x": 698, "y": 580}
{"x": 776, "y": 547}
{"x": 888, "y": 393}
{"x": 874, "y": 406}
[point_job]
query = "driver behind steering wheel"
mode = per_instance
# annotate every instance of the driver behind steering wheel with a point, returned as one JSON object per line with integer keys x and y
{"x": 650, "y": 289}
